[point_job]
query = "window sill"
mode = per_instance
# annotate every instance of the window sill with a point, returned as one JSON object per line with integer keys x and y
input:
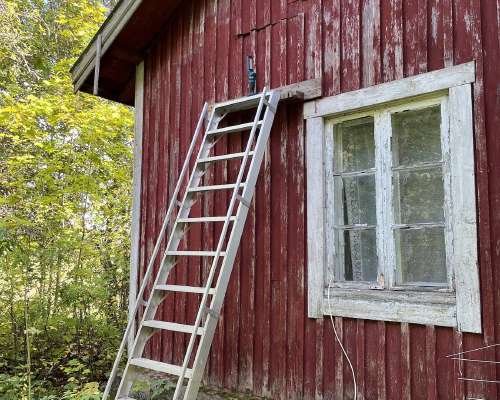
{"x": 433, "y": 308}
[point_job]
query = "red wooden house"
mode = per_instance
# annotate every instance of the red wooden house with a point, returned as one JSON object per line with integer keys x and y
{"x": 378, "y": 201}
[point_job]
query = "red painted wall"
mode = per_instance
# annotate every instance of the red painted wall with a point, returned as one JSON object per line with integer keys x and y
{"x": 265, "y": 343}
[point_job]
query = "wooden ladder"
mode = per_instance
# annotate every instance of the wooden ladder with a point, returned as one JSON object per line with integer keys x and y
{"x": 265, "y": 104}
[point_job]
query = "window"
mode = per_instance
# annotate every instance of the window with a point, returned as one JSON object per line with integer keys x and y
{"x": 414, "y": 234}
{"x": 391, "y": 202}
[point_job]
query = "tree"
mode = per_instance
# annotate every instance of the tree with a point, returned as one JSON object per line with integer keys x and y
{"x": 65, "y": 181}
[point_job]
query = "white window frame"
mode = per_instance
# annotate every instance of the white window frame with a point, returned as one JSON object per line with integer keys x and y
{"x": 457, "y": 306}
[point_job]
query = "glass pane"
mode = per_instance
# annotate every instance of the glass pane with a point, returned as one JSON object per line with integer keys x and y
{"x": 421, "y": 255}
{"x": 417, "y": 136}
{"x": 421, "y": 196}
{"x": 357, "y": 252}
{"x": 354, "y": 145}
{"x": 357, "y": 196}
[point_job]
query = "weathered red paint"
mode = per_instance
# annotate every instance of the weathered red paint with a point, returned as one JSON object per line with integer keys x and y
{"x": 265, "y": 343}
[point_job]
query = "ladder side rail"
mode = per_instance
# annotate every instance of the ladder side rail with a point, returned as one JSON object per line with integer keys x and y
{"x": 173, "y": 242}
{"x": 149, "y": 269}
{"x": 222, "y": 239}
{"x": 234, "y": 241}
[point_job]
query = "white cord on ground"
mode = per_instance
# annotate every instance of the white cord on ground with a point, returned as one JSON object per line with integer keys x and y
{"x": 330, "y": 284}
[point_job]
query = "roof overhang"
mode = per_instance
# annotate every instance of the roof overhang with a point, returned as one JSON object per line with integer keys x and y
{"x": 126, "y": 35}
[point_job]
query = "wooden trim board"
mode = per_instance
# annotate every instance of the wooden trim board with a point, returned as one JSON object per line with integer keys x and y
{"x": 136, "y": 195}
{"x": 413, "y": 307}
{"x": 301, "y": 91}
{"x": 315, "y": 216}
{"x": 464, "y": 257}
{"x": 391, "y": 91}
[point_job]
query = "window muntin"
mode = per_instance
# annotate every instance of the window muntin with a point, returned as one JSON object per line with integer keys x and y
{"x": 414, "y": 232}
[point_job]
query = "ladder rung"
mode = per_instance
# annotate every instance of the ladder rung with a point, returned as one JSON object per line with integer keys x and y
{"x": 172, "y": 326}
{"x": 160, "y": 367}
{"x": 205, "y": 219}
{"x": 215, "y": 187}
{"x": 223, "y": 157}
{"x": 242, "y": 103}
{"x": 234, "y": 128}
{"x": 184, "y": 289}
{"x": 197, "y": 253}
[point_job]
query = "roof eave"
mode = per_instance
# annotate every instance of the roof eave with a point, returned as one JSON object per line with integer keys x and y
{"x": 83, "y": 68}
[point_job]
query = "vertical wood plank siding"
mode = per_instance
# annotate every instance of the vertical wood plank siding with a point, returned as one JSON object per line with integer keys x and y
{"x": 265, "y": 344}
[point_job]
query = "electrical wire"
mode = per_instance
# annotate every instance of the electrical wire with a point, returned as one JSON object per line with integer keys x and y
{"x": 330, "y": 285}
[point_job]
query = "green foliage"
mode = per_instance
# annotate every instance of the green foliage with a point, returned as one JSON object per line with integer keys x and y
{"x": 36, "y": 34}
{"x": 65, "y": 181}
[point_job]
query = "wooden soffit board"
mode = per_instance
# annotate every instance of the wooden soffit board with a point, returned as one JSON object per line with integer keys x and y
{"x": 126, "y": 35}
